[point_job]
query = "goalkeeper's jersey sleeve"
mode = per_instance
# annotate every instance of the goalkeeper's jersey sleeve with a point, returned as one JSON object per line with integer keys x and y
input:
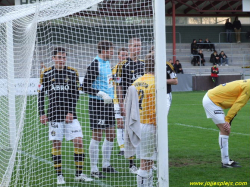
{"x": 62, "y": 89}
{"x": 145, "y": 87}
{"x": 233, "y": 95}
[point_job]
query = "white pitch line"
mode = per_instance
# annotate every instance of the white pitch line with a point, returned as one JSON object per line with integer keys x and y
{"x": 98, "y": 182}
{"x": 198, "y": 127}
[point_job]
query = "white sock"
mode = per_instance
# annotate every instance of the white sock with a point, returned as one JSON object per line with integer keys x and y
{"x": 223, "y": 142}
{"x": 120, "y": 138}
{"x": 144, "y": 178}
{"x": 94, "y": 154}
{"x": 106, "y": 153}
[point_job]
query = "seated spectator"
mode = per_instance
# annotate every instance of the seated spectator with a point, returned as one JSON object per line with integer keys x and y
{"x": 201, "y": 58}
{"x": 208, "y": 45}
{"x": 200, "y": 44}
{"x": 194, "y": 51}
{"x": 214, "y": 58}
{"x": 178, "y": 67}
{"x": 223, "y": 58}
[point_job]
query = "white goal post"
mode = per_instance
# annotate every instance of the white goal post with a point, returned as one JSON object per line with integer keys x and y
{"x": 29, "y": 34}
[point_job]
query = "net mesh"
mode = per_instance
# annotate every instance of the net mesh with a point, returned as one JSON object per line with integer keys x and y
{"x": 28, "y": 36}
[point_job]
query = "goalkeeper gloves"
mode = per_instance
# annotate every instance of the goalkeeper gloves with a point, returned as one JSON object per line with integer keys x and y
{"x": 107, "y": 99}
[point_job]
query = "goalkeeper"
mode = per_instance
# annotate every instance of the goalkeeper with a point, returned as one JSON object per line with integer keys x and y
{"x": 98, "y": 83}
{"x": 61, "y": 83}
{"x": 233, "y": 95}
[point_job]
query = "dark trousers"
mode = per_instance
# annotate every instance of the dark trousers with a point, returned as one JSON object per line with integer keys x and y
{"x": 215, "y": 81}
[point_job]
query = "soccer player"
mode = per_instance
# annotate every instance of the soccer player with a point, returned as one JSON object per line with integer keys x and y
{"x": 61, "y": 83}
{"x": 233, "y": 95}
{"x": 98, "y": 83}
{"x": 171, "y": 80}
{"x": 130, "y": 69}
{"x": 145, "y": 87}
{"x": 122, "y": 55}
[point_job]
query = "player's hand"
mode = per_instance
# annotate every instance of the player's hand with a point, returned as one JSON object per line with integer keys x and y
{"x": 120, "y": 123}
{"x": 227, "y": 127}
{"x": 43, "y": 119}
{"x": 122, "y": 108}
{"x": 107, "y": 99}
{"x": 69, "y": 118}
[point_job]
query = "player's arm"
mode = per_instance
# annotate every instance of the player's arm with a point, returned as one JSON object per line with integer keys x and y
{"x": 120, "y": 91}
{"x": 238, "y": 104}
{"x": 172, "y": 81}
{"x": 73, "y": 97}
{"x": 41, "y": 99}
{"x": 172, "y": 75}
{"x": 90, "y": 77}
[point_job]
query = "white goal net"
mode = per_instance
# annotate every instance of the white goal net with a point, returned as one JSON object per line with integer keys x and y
{"x": 55, "y": 57}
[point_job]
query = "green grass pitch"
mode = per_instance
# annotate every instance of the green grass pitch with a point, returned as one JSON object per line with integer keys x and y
{"x": 194, "y": 154}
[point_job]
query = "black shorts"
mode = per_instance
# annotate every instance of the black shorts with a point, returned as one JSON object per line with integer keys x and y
{"x": 101, "y": 116}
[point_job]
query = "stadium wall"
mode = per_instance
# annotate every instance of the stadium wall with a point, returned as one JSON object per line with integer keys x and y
{"x": 204, "y": 82}
{"x": 81, "y": 34}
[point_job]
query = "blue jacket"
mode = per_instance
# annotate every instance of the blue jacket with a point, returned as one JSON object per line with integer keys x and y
{"x": 98, "y": 78}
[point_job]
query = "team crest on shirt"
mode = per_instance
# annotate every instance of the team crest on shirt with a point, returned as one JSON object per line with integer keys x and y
{"x": 66, "y": 79}
{"x": 40, "y": 87}
{"x": 53, "y": 133}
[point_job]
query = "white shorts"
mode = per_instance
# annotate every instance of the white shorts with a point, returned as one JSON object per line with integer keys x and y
{"x": 169, "y": 99}
{"x": 213, "y": 111}
{"x": 71, "y": 130}
{"x": 147, "y": 148}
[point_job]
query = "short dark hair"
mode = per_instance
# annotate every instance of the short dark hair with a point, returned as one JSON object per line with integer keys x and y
{"x": 150, "y": 62}
{"x": 104, "y": 45}
{"x": 122, "y": 49}
{"x": 177, "y": 61}
{"x": 59, "y": 50}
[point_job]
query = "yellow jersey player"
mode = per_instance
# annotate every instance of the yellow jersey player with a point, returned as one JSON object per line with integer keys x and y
{"x": 122, "y": 56}
{"x": 145, "y": 87}
{"x": 233, "y": 96}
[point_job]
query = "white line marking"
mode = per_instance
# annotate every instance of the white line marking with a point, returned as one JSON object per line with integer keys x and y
{"x": 72, "y": 171}
{"x": 198, "y": 127}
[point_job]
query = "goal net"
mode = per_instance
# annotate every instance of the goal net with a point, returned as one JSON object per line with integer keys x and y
{"x": 35, "y": 41}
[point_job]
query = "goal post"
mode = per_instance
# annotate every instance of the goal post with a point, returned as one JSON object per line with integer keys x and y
{"x": 161, "y": 91}
{"x": 29, "y": 35}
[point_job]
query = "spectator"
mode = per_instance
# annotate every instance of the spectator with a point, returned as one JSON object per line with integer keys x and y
{"x": 200, "y": 44}
{"x": 214, "y": 74}
{"x": 194, "y": 48}
{"x": 214, "y": 58}
{"x": 229, "y": 28}
{"x": 208, "y": 45}
{"x": 178, "y": 67}
{"x": 223, "y": 58}
{"x": 201, "y": 58}
{"x": 237, "y": 28}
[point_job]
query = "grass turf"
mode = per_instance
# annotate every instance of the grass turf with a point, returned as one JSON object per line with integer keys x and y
{"x": 194, "y": 154}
